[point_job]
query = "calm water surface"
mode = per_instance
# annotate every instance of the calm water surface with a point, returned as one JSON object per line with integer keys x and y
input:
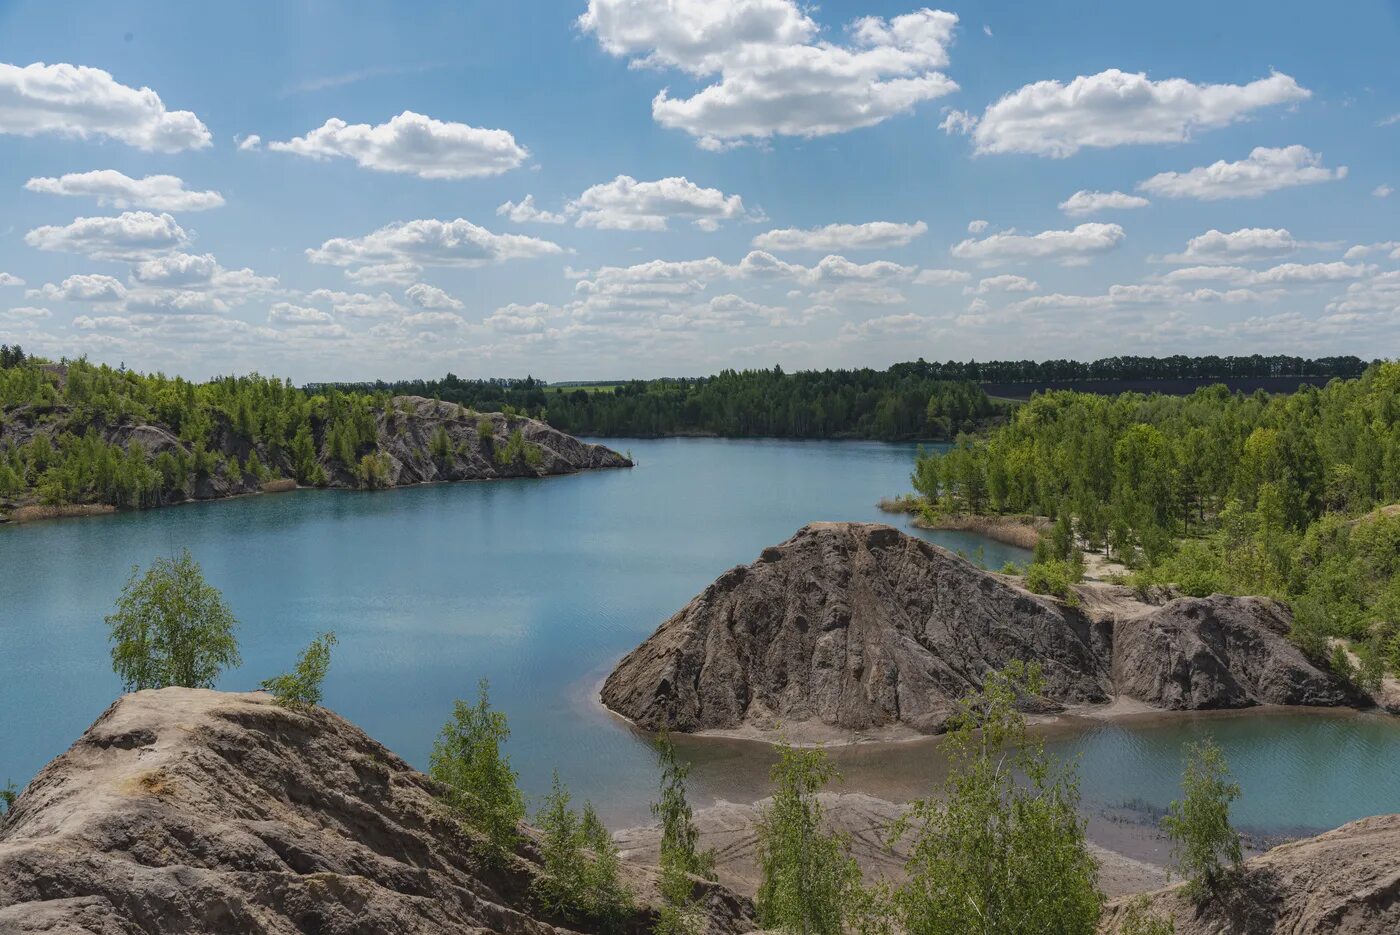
{"x": 540, "y": 586}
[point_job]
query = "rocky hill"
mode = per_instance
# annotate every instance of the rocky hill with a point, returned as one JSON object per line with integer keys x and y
{"x": 853, "y": 627}
{"x": 414, "y": 441}
{"x": 1344, "y": 881}
{"x": 202, "y": 812}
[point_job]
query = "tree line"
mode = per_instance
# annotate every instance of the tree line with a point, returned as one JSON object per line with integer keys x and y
{"x": 1282, "y": 495}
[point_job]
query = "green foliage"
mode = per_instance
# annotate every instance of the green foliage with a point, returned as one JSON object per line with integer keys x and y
{"x": 1206, "y": 849}
{"x": 809, "y": 879}
{"x": 441, "y": 444}
{"x": 372, "y": 472}
{"x": 301, "y": 688}
{"x": 1139, "y": 919}
{"x": 1002, "y": 851}
{"x": 579, "y": 879}
{"x": 681, "y": 858}
{"x": 482, "y": 788}
{"x": 8, "y": 794}
{"x": 485, "y": 431}
{"x": 1055, "y": 576}
{"x": 171, "y": 628}
{"x": 518, "y": 451}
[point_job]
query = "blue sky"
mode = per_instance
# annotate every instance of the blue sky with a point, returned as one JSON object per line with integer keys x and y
{"x": 339, "y": 191}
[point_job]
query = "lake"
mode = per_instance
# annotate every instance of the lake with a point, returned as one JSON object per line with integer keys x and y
{"x": 540, "y": 586}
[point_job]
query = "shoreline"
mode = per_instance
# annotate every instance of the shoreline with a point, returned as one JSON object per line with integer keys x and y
{"x": 1022, "y": 531}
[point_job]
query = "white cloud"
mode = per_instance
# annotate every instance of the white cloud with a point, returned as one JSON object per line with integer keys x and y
{"x": 977, "y": 226}
{"x": 1006, "y": 282}
{"x": 9, "y": 279}
{"x": 1382, "y": 191}
{"x": 626, "y": 204}
{"x": 1362, "y": 250}
{"x": 1115, "y": 108}
{"x": 413, "y": 143}
{"x": 432, "y": 321}
{"x": 525, "y": 212}
{"x": 248, "y": 143}
{"x": 399, "y": 274}
{"x": 1215, "y": 246}
{"x": 359, "y": 304}
{"x": 1387, "y": 121}
{"x": 77, "y": 101}
{"x": 112, "y": 188}
{"x": 430, "y": 243}
{"x": 1124, "y": 296}
{"x": 133, "y": 235}
{"x": 285, "y": 313}
{"x": 941, "y": 277}
{"x": 521, "y": 319}
{"x": 93, "y": 287}
{"x": 885, "y": 326}
{"x": 1071, "y": 246}
{"x": 1086, "y": 202}
{"x": 771, "y": 76}
{"x": 28, "y": 313}
{"x": 1282, "y": 274}
{"x": 872, "y": 235}
{"x": 421, "y": 295}
{"x": 1265, "y": 170}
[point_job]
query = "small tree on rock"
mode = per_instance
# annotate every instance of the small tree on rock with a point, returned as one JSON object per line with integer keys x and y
{"x": 1206, "y": 849}
{"x": 482, "y": 788}
{"x": 681, "y": 858}
{"x": 171, "y": 627}
{"x": 301, "y": 688}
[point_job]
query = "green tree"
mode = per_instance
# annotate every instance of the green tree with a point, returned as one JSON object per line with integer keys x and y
{"x": 171, "y": 627}
{"x": 1206, "y": 849}
{"x": 998, "y": 854}
{"x": 681, "y": 858}
{"x": 579, "y": 873}
{"x": 301, "y": 688}
{"x": 809, "y": 879}
{"x": 482, "y": 788}
{"x": 8, "y": 795}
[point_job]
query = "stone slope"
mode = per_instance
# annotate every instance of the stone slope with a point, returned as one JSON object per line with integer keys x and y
{"x": 1344, "y": 881}
{"x": 202, "y": 812}
{"x": 404, "y": 435}
{"x": 859, "y": 627}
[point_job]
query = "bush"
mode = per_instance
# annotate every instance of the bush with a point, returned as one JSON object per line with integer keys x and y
{"x": 1206, "y": 849}
{"x": 372, "y": 472}
{"x": 681, "y": 858}
{"x": 482, "y": 788}
{"x": 1056, "y": 577}
{"x": 809, "y": 879}
{"x": 1002, "y": 850}
{"x": 579, "y": 875}
{"x": 171, "y": 628}
{"x": 301, "y": 688}
{"x": 8, "y": 795}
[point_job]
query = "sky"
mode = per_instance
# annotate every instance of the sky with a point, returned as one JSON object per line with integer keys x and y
{"x": 605, "y": 189}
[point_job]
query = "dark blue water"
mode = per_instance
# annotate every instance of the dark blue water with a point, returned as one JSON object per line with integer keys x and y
{"x": 540, "y": 586}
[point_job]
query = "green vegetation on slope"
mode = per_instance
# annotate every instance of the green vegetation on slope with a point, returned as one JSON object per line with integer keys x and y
{"x": 1259, "y": 494}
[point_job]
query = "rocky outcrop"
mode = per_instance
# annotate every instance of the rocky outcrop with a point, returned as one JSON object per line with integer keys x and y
{"x": 407, "y": 440}
{"x": 1217, "y": 652}
{"x": 1344, "y": 881}
{"x": 859, "y": 627}
{"x": 201, "y": 812}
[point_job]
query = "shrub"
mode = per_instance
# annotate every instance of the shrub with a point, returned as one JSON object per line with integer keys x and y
{"x": 1206, "y": 849}
{"x": 482, "y": 788}
{"x": 808, "y": 876}
{"x": 372, "y": 472}
{"x": 171, "y": 628}
{"x": 485, "y": 431}
{"x": 680, "y": 855}
{"x": 579, "y": 865}
{"x": 1054, "y": 576}
{"x": 1002, "y": 850}
{"x": 8, "y": 795}
{"x": 301, "y": 688}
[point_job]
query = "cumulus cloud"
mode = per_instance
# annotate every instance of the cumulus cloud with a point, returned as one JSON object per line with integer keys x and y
{"x": 1362, "y": 250}
{"x": 133, "y": 235}
{"x": 770, "y": 74}
{"x": 1382, "y": 191}
{"x": 521, "y": 319}
{"x": 249, "y": 143}
{"x": 1086, "y": 202}
{"x": 885, "y": 326}
{"x": 525, "y": 212}
{"x": 941, "y": 277}
{"x": 28, "y": 313}
{"x": 1216, "y": 246}
{"x": 412, "y": 143}
{"x": 1265, "y": 170}
{"x": 430, "y": 243}
{"x": 626, "y": 204}
{"x": 1122, "y": 296}
{"x": 93, "y": 287}
{"x": 421, "y": 295}
{"x": 285, "y": 313}
{"x": 977, "y": 226}
{"x": 9, "y": 279}
{"x": 1067, "y": 246}
{"x": 399, "y": 274}
{"x": 359, "y": 304}
{"x": 872, "y": 235}
{"x": 1282, "y": 274}
{"x": 1006, "y": 282}
{"x": 81, "y": 102}
{"x": 1116, "y": 108}
{"x": 114, "y": 189}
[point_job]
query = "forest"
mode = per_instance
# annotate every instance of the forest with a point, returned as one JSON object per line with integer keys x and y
{"x": 1292, "y": 496}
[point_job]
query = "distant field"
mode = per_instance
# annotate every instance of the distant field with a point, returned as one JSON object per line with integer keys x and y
{"x": 1175, "y": 387}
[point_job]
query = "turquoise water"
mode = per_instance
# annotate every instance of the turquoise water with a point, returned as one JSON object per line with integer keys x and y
{"x": 540, "y": 586}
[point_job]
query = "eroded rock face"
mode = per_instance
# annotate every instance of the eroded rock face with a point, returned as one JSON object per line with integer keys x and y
{"x": 853, "y": 625}
{"x": 1344, "y": 881}
{"x": 1217, "y": 652}
{"x": 859, "y": 627}
{"x": 203, "y": 812}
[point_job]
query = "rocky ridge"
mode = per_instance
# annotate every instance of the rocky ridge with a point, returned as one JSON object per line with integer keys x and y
{"x": 858, "y": 627}
{"x": 196, "y": 811}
